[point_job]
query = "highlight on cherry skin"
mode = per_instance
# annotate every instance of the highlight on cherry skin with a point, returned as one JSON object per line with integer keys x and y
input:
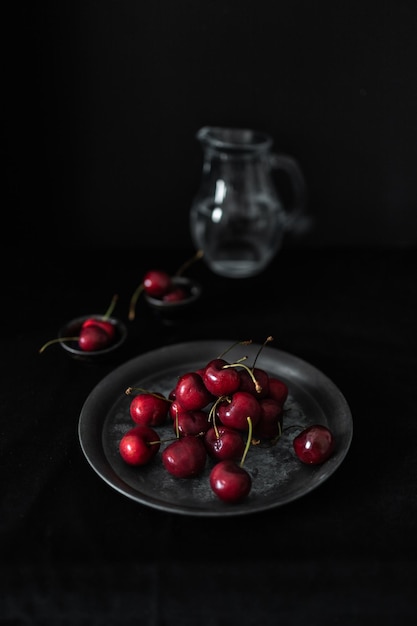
{"x": 96, "y": 333}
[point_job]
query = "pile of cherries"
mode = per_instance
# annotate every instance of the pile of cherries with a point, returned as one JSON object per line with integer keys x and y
{"x": 217, "y": 412}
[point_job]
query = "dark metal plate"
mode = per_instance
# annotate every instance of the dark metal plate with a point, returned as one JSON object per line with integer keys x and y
{"x": 278, "y": 476}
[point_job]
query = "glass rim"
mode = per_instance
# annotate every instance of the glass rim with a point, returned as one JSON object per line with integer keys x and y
{"x": 237, "y": 139}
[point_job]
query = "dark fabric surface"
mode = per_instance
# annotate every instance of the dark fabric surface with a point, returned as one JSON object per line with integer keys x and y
{"x": 75, "y": 551}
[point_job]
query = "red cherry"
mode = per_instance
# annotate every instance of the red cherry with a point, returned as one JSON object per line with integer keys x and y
{"x": 185, "y": 457}
{"x": 235, "y": 413}
{"x": 220, "y": 381}
{"x": 93, "y": 338}
{"x": 139, "y": 445}
{"x": 175, "y": 295}
{"x": 278, "y": 390}
{"x": 103, "y": 321}
{"x": 149, "y": 409}
{"x": 226, "y": 443}
{"x": 314, "y": 444}
{"x": 247, "y": 383}
{"x": 191, "y": 392}
{"x": 230, "y": 481}
{"x": 156, "y": 283}
{"x": 269, "y": 425}
{"x": 105, "y": 325}
{"x": 191, "y": 423}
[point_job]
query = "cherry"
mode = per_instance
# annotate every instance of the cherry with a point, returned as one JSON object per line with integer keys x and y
{"x": 157, "y": 283}
{"x": 269, "y": 425}
{"x": 147, "y": 408}
{"x": 224, "y": 443}
{"x": 191, "y": 423}
{"x": 139, "y": 445}
{"x": 278, "y": 390}
{"x": 176, "y": 408}
{"x": 314, "y": 444}
{"x": 176, "y": 294}
{"x": 96, "y": 333}
{"x": 108, "y": 327}
{"x": 185, "y": 457}
{"x": 191, "y": 392}
{"x": 235, "y": 410}
{"x": 92, "y": 338}
{"x": 218, "y": 379}
{"x": 103, "y": 322}
{"x": 229, "y": 481}
{"x": 258, "y": 387}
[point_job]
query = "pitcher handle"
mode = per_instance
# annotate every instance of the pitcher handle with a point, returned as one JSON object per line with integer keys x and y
{"x": 297, "y": 219}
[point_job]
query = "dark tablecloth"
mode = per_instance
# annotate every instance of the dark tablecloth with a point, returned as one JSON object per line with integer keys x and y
{"x": 76, "y": 551}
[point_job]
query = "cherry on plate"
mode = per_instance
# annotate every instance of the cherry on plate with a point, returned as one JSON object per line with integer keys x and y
{"x": 139, "y": 445}
{"x": 230, "y": 481}
{"x": 314, "y": 445}
{"x": 185, "y": 457}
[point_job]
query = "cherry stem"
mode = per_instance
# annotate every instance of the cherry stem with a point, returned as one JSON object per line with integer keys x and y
{"x": 131, "y": 390}
{"x": 57, "y": 340}
{"x": 248, "y": 442}
{"x": 177, "y": 428}
{"x": 278, "y": 437}
{"x": 133, "y": 301}
{"x": 250, "y": 372}
{"x": 198, "y": 255}
{"x": 267, "y": 340}
{"x": 216, "y": 430}
{"x": 212, "y": 413}
{"x": 237, "y": 343}
{"x": 111, "y": 307}
{"x": 156, "y": 441}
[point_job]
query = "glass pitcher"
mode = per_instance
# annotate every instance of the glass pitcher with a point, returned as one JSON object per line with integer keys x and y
{"x": 237, "y": 217}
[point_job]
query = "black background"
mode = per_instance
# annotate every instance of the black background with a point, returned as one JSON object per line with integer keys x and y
{"x": 103, "y": 99}
{"x": 100, "y": 102}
